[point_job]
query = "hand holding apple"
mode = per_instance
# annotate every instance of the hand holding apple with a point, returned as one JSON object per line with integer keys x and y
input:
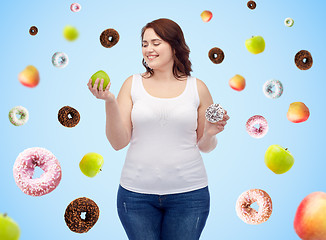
{"x": 9, "y": 229}
{"x": 91, "y": 164}
{"x": 310, "y": 218}
{"x": 255, "y": 45}
{"x": 101, "y": 75}
{"x": 278, "y": 159}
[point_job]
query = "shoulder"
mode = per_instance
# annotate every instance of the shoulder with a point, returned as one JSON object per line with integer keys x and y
{"x": 125, "y": 89}
{"x": 203, "y": 92}
{"x": 128, "y": 82}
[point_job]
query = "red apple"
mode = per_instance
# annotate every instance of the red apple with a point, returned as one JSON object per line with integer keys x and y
{"x": 206, "y": 15}
{"x": 310, "y": 218}
{"x": 29, "y": 77}
{"x": 237, "y": 82}
{"x": 298, "y": 112}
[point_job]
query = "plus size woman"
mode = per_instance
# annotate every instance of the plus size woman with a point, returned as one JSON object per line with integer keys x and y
{"x": 163, "y": 192}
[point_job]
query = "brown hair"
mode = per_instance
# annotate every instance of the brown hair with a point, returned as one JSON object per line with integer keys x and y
{"x": 171, "y": 32}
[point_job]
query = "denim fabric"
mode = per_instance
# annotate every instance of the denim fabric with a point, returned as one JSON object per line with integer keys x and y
{"x": 180, "y": 216}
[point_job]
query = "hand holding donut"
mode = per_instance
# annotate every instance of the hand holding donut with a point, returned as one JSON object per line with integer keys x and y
{"x": 212, "y": 129}
{"x": 99, "y": 93}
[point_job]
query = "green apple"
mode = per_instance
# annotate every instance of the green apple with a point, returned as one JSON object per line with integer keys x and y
{"x": 91, "y": 164}
{"x": 9, "y": 229}
{"x": 278, "y": 159}
{"x": 70, "y": 33}
{"x": 255, "y": 45}
{"x": 101, "y": 75}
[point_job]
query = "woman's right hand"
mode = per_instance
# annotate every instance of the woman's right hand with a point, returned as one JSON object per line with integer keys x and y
{"x": 99, "y": 93}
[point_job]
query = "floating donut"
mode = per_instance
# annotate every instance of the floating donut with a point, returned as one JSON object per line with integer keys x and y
{"x": 18, "y": 110}
{"x": 68, "y": 116}
{"x": 60, "y": 60}
{"x": 33, "y": 30}
{"x": 250, "y": 215}
{"x": 214, "y": 113}
{"x": 216, "y": 55}
{"x": 288, "y": 22}
{"x": 270, "y": 85}
{"x": 24, "y": 169}
{"x": 251, "y": 5}
{"x": 73, "y": 217}
{"x": 109, "y": 38}
{"x": 261, "y": 130}
{"x": 303, "y": 60}
{"x": 75, "y": 7}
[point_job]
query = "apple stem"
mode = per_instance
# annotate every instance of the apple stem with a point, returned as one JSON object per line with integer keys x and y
{"x": 101, "y": 169}
{"x": 5, "y": 214}
{"x": 286, "y": 149}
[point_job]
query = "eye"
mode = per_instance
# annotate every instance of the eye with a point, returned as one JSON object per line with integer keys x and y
{"x": 144, "y": 45}
{"x": 156, "y": 44}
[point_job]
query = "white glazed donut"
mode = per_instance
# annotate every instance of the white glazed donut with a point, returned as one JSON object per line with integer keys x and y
{"x": 268, "y": 88}
{"x": 288, "y": 22}
{"x": 250, "y": 215}
{"x": 24, "y": 169}
{"x": 23, "y": 115}
{"x": 75, "y": 7}
{"x": 214, "y": 113}
{"x": 60, "y": 60}
{"x": 261, "y": 130}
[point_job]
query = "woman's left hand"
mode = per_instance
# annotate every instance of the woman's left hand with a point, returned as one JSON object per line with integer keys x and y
{"x": 212, "y": 129}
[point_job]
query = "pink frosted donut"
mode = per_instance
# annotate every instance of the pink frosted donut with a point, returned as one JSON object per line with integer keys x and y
{"x": 75, "y": 7}
{"x": 261, "y": 130}
{"x": 250, "y": 215}
{"x": 24, "y": 169}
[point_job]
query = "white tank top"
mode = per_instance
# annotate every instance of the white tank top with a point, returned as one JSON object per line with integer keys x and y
{"x": 163, "y": 156}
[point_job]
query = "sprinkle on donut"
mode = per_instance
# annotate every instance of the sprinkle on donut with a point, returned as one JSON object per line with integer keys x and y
{"x": 23, "y": 115}
{"x": 262, "y": 129}
{"x": 73, "y": 217}
{"x": 250, "y": 215}
{"x": 214, "y": 113}
{"x": 25, "y": 165}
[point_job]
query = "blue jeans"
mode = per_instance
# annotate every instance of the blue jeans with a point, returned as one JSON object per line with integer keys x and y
{"x": 180, "y": 216}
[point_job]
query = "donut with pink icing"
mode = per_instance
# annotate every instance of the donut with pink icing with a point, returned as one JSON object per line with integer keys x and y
{"x": 250, "y": 215}
{"x": 25, "y": 165}
{"x": 75, "y": 7}
{"x": 261, "y": 130}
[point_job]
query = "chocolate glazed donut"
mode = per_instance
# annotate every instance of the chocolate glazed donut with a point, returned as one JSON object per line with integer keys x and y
{"x": 33, "y": 30}
{"x": 251, "y": 5}
{"x": 68, "y": 116}
{"x": 303, "y": 60}
{"x": 216, "y": 55}
{"x": 73, "y": 213}
{"x": 109, "y": 38}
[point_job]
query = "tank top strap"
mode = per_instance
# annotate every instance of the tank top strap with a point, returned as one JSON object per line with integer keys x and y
{"x": 136, "y": 87}
{"x": 193, "y": 90}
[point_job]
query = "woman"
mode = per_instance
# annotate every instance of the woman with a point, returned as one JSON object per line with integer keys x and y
{"x": 163, "y": 192}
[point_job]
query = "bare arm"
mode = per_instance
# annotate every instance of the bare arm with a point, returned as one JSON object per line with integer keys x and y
{"x": 206, "y": 131}
{"x": 118, "y": 121}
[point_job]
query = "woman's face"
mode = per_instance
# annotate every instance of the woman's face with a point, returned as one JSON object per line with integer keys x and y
{"x": 156, "y": 52}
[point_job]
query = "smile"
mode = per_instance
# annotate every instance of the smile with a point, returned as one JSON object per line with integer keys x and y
{"x": 152, "y": 57}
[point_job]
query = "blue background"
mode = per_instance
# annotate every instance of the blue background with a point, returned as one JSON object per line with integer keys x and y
{"x": 236, "y": 165}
